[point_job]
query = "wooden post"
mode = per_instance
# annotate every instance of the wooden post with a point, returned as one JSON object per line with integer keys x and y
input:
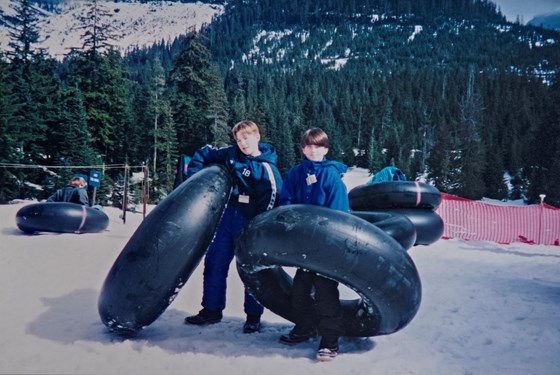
{"x": 145, "y": 191}
{"x": 125, "y": 193}
{"x": 94, "y": 194}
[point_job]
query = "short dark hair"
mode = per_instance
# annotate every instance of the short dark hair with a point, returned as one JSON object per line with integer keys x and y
{"x": 315, "y": 137}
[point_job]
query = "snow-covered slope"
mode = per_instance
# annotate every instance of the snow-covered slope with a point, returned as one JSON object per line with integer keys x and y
{"x": 487, "y": 309}
{"x": 136, "y": 24}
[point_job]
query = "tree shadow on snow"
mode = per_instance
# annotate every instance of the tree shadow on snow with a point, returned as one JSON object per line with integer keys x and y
{"x": 73, "y": 317}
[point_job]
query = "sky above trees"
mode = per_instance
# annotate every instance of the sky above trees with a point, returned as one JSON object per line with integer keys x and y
{"x": 526, "y": 9}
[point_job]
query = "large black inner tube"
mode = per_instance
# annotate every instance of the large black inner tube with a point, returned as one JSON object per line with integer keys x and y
{"x": 429, "y": 225}
{"x": 392, "y": 194}
{"x": 336, "y": 245}
{"x": 395, "y": 225}
{"x": 163, "y": 252}
{"x": 61, "y": 217}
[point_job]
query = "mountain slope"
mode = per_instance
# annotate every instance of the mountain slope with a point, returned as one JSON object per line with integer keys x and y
{"x": 136, "y": 24}
{"x": 381, "y": 35}
{"x": 549, "y": 21}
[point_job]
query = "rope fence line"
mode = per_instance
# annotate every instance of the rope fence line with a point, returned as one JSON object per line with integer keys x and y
{"x": 102, "y": 166}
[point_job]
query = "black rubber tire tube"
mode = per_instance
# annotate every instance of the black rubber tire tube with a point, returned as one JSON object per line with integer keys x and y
{"x": 393, "y": 194}
{"x": 61, "y": 217}
{"x": 395, "y": 225}
{"x": 429, "y": 225}
{"x": 336, "y": 245}
{"x": 163, "y": 252}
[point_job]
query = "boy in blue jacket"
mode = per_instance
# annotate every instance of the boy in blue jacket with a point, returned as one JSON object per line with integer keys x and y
{"x": 315, "y": 181}
{"x": 256, "y": 183}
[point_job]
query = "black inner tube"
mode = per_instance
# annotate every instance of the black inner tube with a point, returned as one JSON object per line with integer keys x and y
{"x": 336, "y": 245}
{"x": 392, "y": 194}
{"x": 163, "y": 252}
{"x": 395, "y": 225}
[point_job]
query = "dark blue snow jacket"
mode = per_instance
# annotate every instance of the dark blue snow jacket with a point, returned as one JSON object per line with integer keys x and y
{"x": 256, "y": 179}
{"x": 317, "y": 183}
{"x": 70, "y": 193}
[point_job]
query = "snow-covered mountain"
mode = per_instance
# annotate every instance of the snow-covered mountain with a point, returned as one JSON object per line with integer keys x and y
{"x": 137, "y": 24}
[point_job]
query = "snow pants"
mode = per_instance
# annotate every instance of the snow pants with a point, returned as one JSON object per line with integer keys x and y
{"x": 323, "y": 311}
{"x": 217, "y": 261}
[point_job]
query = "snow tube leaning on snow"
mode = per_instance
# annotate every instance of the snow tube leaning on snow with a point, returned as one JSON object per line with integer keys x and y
{"x": 336, "y": 245}
{"x": 393, "y": 194}
{"x": 61, "y": 217}
{"x": 395, "y": 225}
{"x": 428, "y": 224}
{"x": 163, "y": 252}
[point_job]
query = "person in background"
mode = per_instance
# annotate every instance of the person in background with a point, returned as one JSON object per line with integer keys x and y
{"x": 315, "y": 181}
{"x": 73, "y": 192}
{"x": 390, "y": 173}
{"x": 181, "y": 170}
{"x": 256, "y": 183}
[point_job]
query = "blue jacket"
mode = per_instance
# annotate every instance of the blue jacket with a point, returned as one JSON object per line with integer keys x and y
{"x": 256, "y": 179}
{"x": 387, "y": 174}
{"x": 324, "y": 189}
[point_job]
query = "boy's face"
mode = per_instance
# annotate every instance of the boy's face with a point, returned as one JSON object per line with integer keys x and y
{"x": 315, "y": 153}
{"x": 248, "y": 143}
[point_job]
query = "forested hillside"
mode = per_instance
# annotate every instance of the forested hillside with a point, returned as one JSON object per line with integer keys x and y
{"x": 447, "y": 89}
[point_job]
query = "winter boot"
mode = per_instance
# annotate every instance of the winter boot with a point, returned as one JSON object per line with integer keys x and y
{"x": 252, "y": 324}
{"x": 204, "y": 317}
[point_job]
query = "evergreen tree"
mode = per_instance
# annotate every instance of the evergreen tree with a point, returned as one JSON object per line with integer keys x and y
{"x": 442, "y": 158}
{"x": 217, "y": 106}
{"x": 8, "y": 149}
{"x": 426, "y": 135}
{"x": 544, "y": 144}
{"x": 168, "y": 149}
{"x": 99, "y": 32}
{"x": 236, "y": 87}
{"x": 101, "y": 80}
{"x": 473, "y": 162}
{"x": 34, "y": 91}
{"x": 158, "y": 107}
{"x": 71, "y": 138}
{"x": 23, "y": 30}
{"x": 199, "y": 103}
{"x": 375, "y": 152}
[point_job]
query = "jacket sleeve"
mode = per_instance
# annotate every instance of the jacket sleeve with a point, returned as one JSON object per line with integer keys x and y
{"x": 270, "y": 194}
{"x": 205, "y": 156}
{"x": 83, "y": 197}
{"x": 287, "y": 195}
{"x": 338, "y": 196}
{"x": 55, "y": 197}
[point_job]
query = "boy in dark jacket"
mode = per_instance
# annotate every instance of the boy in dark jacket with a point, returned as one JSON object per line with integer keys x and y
{"x": 256, "y": 183}
{"x": 315, "y": 181}
{"x": 73, "y": 192}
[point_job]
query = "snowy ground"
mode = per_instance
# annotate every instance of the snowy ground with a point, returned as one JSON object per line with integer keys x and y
{"x": 486, "y": 309}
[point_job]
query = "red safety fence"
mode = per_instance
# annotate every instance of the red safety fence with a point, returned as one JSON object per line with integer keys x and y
{"x": 472, "y": 220}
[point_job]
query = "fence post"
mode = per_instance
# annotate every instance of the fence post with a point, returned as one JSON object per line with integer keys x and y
{"x": 542, "y": 196}
{"x": 145, "y": 191}
{"x": 125, "y": 193}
